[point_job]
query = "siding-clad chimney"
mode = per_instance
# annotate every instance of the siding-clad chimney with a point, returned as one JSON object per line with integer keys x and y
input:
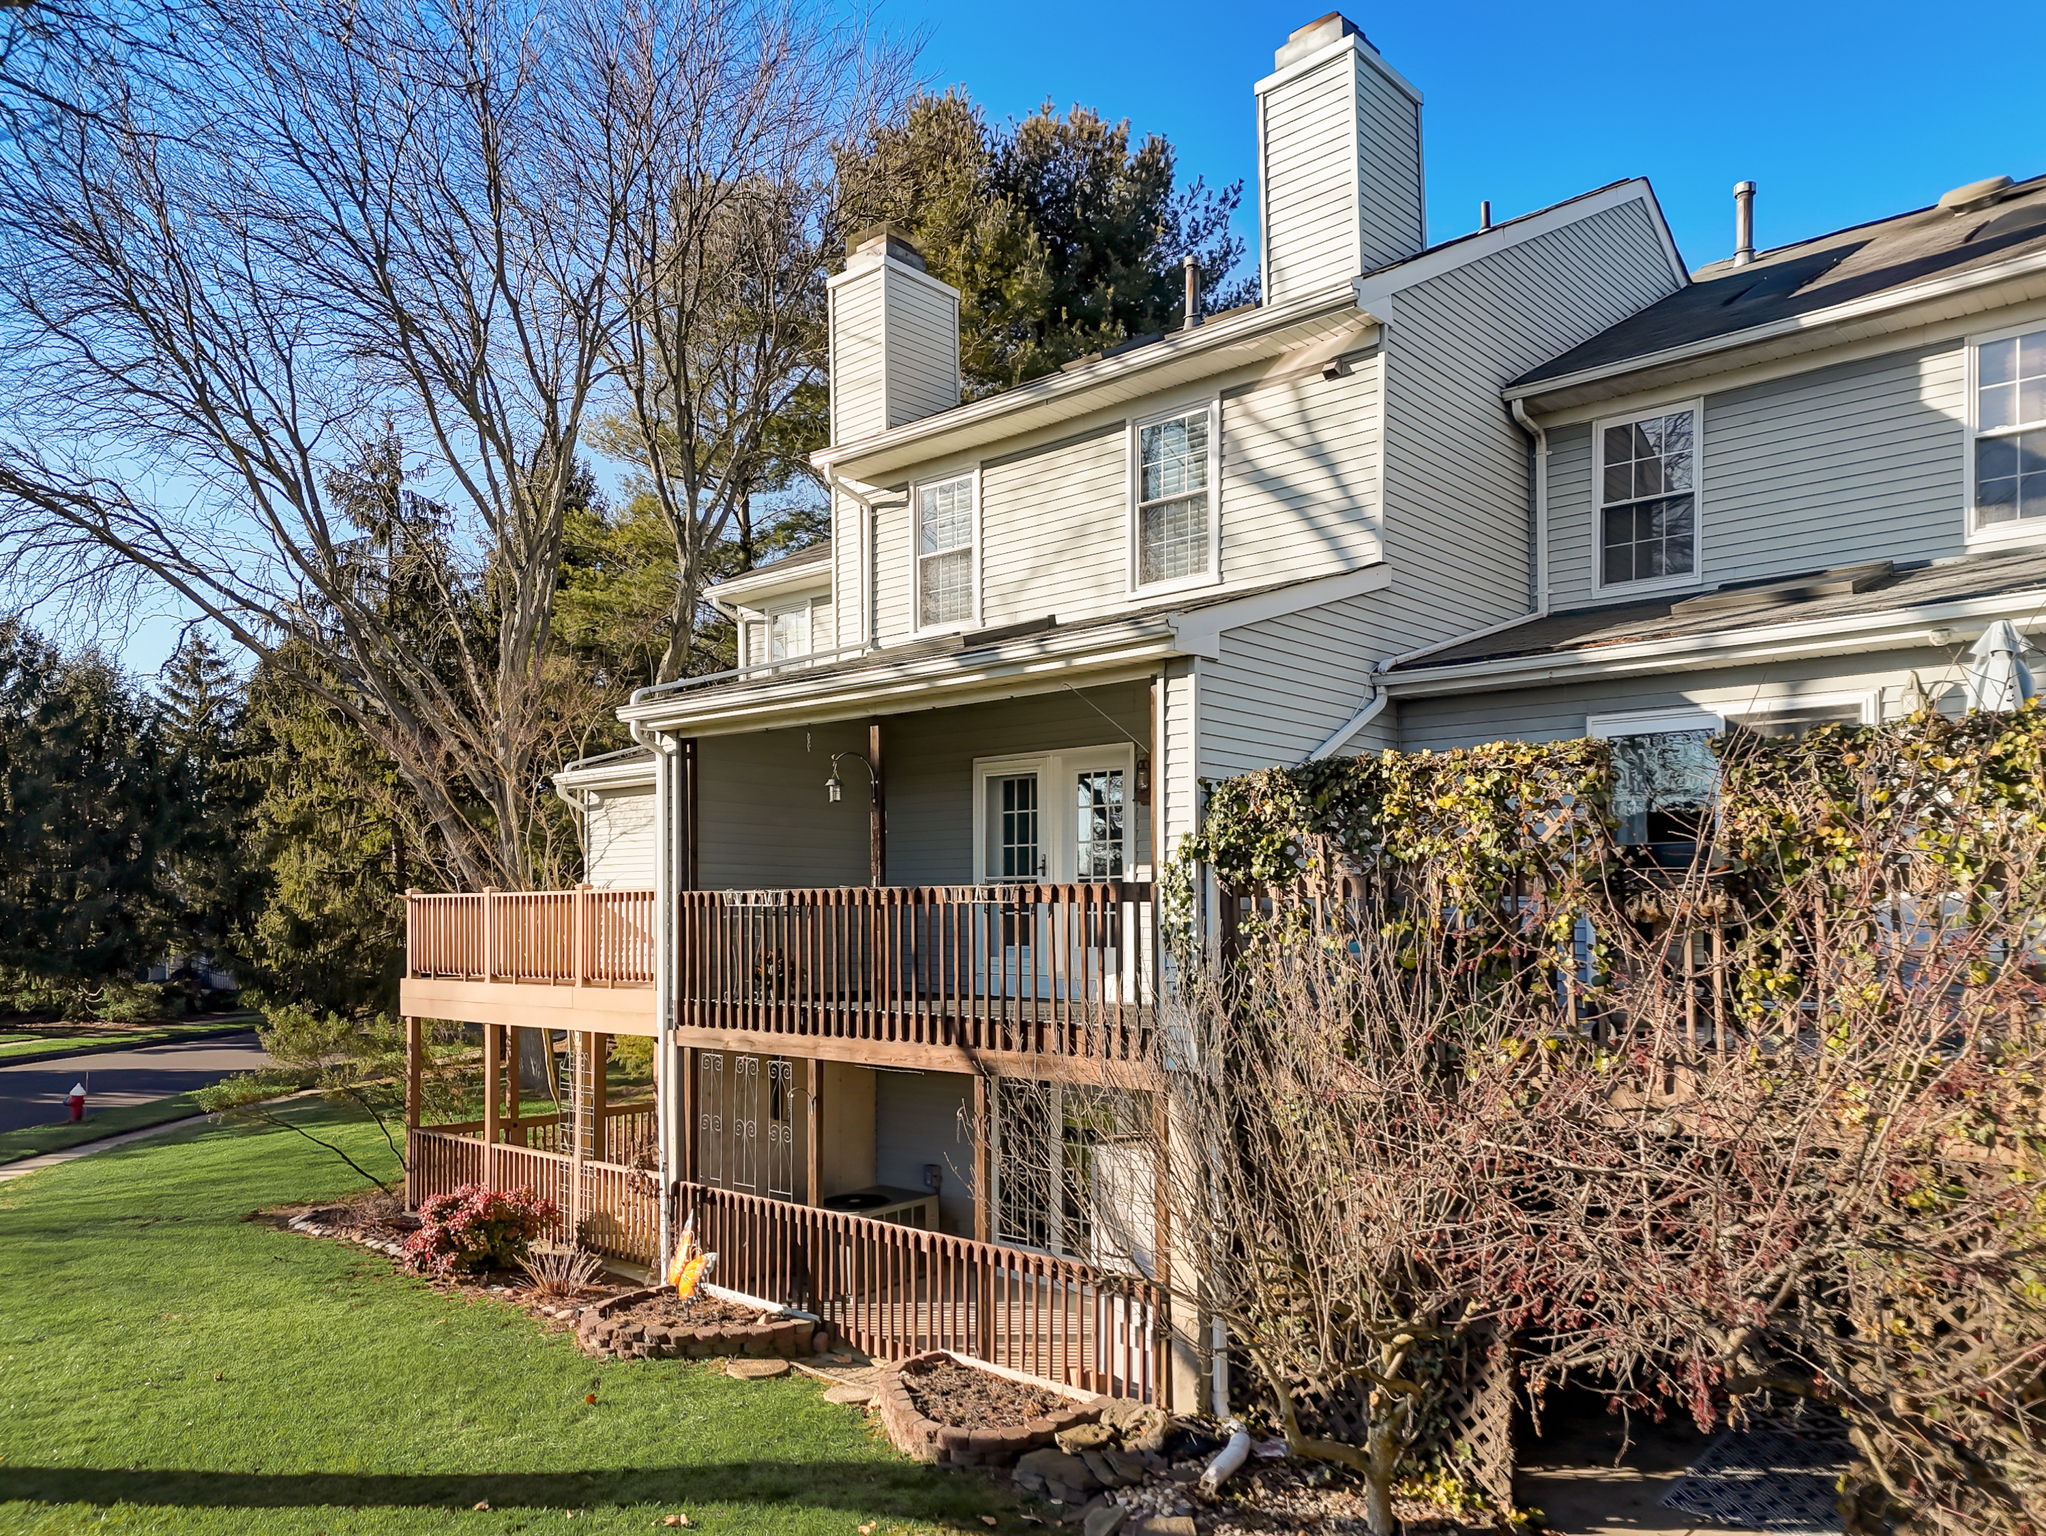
{"x": 894, "y": 338}
{"x": 1339, "y": 161}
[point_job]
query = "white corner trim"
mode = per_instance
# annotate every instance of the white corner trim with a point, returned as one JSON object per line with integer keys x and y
{"x": 1199, "y": 633}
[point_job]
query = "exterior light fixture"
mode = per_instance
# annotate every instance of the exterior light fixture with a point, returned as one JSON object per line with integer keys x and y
{"x": 834, "y": 787}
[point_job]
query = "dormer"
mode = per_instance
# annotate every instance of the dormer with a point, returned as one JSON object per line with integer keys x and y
{"x": 782, "y": 610}
{"x": 894, "y": 338}
{"x": 1339, "y": 162}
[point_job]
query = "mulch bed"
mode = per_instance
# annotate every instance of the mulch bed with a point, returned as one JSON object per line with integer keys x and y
{"x": 700, "y": 1310}
{"x": 950, "y": 1393}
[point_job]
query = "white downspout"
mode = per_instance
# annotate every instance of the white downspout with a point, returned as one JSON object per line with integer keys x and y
{"x": 864, "y": 497}
{"x": 666, "y": 1081}
{"x": 1539, "y": 504}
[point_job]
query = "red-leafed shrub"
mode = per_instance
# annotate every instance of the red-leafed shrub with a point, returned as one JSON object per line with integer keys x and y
{"x": 474, "y": 1228}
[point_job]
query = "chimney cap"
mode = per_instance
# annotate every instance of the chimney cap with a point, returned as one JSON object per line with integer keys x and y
{"x": 888, "y": 240}
{"x": 1315, "y": 36}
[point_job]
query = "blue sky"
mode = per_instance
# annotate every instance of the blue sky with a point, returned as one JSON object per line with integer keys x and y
{"x": 1840, "y": 113}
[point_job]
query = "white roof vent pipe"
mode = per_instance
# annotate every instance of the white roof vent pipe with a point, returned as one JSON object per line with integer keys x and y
{"x": 1743, "y": 223}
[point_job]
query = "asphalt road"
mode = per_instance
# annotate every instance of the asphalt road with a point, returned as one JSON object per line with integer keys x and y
{"x": 34, "y": 1092}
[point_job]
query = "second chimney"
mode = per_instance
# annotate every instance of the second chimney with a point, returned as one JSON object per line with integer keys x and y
{"x": 1339, "y": 161}
{"x": 894, "y": 338}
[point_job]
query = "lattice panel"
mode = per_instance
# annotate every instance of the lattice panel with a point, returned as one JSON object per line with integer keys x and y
{"x": 1478, "y": 1438}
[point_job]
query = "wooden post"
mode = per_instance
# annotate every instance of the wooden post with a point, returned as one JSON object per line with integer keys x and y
{"x": 688, "y": 1098}
{"x": 492, "y": 1061}
{"x": 411, "y": 937}
{"x": 600, "y": 1096}
{"x": 514, "y": 1064}
{"x": 814, "y": 1172}
{"x": 580, "y": 937}
{"x": 490, "y": 933}
{"x": 877, "y": 813}
{"x": 414, "y": 1094}
{"x": 692, "y": 768}
{"x": 983, "y": 1161}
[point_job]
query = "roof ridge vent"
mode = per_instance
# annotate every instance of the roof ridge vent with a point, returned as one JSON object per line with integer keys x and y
{"x": 1976, "y": 194}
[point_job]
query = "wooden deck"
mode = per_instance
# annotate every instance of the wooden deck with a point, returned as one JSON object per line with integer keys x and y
{"x": 887, "y": 1289}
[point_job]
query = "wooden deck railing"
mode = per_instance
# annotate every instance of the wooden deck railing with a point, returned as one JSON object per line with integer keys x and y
{"x": 894, "y": 1290}
{"x": 583, "y": 937}
{"x": 608, "y": 1208}
{"x": 1047, "y": 969}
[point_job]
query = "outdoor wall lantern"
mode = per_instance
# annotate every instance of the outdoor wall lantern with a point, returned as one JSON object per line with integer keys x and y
{"x": 834, "y": 786}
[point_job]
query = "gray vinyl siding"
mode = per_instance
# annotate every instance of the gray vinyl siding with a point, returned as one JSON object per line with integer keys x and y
{"x": 1558, "y": 712}
{"x": 764, "y": 821}
{"x": 929, "y": 767}
{"x": 618, "y": 832}
{"x": 1342, "y": 175}
{"x": 1858, "y": 461}
{"x": 859, "y": 403}
{"x": 1283, "y": 686}
{"x": 1300, "y": 466}
{"x": 1054, "y": 528}
{"x": 919, "y": 1119}
{"x": 922, "y": 357}
{"x": 1456, "y": 475}
{"x": 1309, "y": 190}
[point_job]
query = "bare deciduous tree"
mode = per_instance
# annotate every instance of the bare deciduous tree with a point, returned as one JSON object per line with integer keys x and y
{"x": 309, "y": 320}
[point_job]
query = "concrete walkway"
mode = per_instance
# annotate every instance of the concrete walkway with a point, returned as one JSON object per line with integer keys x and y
{"x": 33, "y": 1093}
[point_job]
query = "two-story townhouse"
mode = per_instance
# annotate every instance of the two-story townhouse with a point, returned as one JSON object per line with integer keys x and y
{"x": 883, "y": 894}
{"x": 1799, "y": 489}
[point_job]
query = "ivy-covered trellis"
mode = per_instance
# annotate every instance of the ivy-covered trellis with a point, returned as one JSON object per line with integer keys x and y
{"x": 1456, "y": 1062}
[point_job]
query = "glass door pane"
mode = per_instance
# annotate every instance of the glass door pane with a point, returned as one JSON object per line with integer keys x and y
{"x": 1098, "y": 824}
{"x": 1015, "y": 846}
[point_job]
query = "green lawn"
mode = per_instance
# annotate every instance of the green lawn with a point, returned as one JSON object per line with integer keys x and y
{"x": 166, "y": 1366}
{"x": 31, "y": 1140}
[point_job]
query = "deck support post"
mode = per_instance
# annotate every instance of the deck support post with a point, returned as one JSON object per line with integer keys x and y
{"x": 414, "y": 1094}
{"x": 493, "y": 1051}
{"x": 877, "y": 812}
{"x": 687, "y": 1101}
{"x": 813, "y": 1173}
{"x": 983, "y": 1161}
{"x": 600, "y": 1096}
{"x": 515, "y": 1063}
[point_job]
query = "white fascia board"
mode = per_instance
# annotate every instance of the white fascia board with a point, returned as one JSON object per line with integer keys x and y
{"x": 1844, "y": 635}
{"x": 768, "y": 582}
{"x": 985, "y": 420}
{"x": 634, "y": 773}
{"x": 1870, "y": 306}
{"x": 1376, "y": 290}
{"x": 924, "y": 682}
{"x": 1199, "y": 633}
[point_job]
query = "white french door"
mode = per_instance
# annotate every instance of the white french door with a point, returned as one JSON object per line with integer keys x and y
{"x": 1055, "y": 818}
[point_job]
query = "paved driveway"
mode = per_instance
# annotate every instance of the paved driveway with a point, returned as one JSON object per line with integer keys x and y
{"x": 34, "y": 1092}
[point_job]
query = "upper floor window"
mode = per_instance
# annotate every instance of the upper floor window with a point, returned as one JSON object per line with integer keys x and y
{"x": 1175, "y": 533}
{"x": 2010, "y": 430}
{"x": 1648, "y": 498}
{"x": 944, "y": 553}
{"x": 781, "y": 634}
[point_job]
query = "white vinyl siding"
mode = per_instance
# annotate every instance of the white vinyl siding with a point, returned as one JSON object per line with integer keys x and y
{"x": 1300, "y": 467}
{"x": 1864, "y": 460}
{"x": 1052, "y": 528}
{"x": 618, "y": 833}
{"x": 923, "y": 348}
{"x": 1456, "y": 466}
{"x": 859, "y": 403}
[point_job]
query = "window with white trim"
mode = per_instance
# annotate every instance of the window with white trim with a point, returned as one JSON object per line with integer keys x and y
{"x": 1175, "y": 499}
{"x": 944, "y": 553}
{"x": 2010, "y": 430}
{"x": 1647, "y": 495}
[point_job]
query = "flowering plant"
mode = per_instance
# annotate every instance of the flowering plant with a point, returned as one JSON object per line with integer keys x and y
{"x": 472, "y": 1228}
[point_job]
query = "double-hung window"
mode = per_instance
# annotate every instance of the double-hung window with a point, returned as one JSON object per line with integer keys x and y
{"x": 944, "y": 553}
{"x": 1175, "y": 513}
{"x": 2009, "y": 469}
{"x": 1648, "y": 498}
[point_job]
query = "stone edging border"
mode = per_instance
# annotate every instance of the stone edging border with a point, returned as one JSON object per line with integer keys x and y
{"x": 602, "y": 1332}
{"x": 950, "y": 1445}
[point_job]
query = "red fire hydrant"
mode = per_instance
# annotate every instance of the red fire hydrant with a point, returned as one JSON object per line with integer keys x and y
{"x": 77, "y": 1101}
